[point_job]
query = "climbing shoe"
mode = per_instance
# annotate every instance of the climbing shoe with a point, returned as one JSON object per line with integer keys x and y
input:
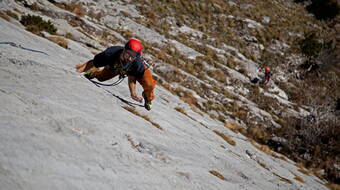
{"x": 147, "y": 103}
{"x": 88, "y": 74}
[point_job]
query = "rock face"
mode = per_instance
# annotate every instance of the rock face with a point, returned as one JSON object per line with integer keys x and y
{"x": 59, "y": 131}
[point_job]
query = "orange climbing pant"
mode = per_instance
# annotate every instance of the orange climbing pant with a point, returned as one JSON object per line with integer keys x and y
{"x": 148, "y": 84}
{"x": 147, "y": 81}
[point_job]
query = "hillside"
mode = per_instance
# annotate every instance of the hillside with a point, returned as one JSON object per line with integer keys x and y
{"x": 59, "y": 131}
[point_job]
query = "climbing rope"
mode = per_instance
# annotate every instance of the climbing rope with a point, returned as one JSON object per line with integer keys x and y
{"x": 121, "y": 78}
{"x": 21, "y": 47}
{"x": 98, "y": 84}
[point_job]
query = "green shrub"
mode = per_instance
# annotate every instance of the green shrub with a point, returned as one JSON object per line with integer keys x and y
{"x": 36, "y": 24}
{"x": 322, "y": 9}
{"x": 310, "y": 46}
{"x": 11, "y": 14}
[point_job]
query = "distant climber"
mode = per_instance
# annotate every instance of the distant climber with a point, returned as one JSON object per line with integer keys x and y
{"x": 119, "y": 60}
{"x": 264, "y": 78}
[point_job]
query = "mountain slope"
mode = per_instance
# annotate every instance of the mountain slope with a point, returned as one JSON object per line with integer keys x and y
{"x": 59, "y": 131}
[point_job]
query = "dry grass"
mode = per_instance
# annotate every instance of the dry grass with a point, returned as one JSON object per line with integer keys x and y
{"x": 18, "y": 11}
{"x": 225, "y": 137}
{"x": 217, "y": 174}
{"x": 60, "y": 5}
{"x": 34, "y": 7}
{"x": 128, "y": 34}
{"x": 131, "y": 141}
{"x": 257, "y": 133}
{"x": 76, "y": 8}
{"x": 317, "y": 173}
{"x": 132, "y": 110}
{"x": 298, "y": 178}
{"x": 160, "y": 54}
{"x": 333, "y": 186}
{"x": 94, "y": 15}
{"x": 302, "y": 169}
{"x": 11, "y": 14}
{"x": 180, "y": 109}
{"x": 280, "y": 157}
{"x": 59, "y": 40}
{"x": 283, "y": 179}
{"x": 263, "y": 165}
{"x": 263, "y": 148}
{"x": 5, "y": 16}
{"x": 69, "y": 36}
{"x": 235, "y": 128}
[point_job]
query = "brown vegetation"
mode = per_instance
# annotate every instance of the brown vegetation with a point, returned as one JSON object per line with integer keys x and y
{"x": 263, "y": 148}
{"x": 263, "y": 165}
{"x": 4, "y": 16}
{"x": 217, "y": 174}
{"x": 76, "y": 8}
{"x": 181, "y": 110}
{"x": 235, "y": 128}
{"x": 283, "y": 179}
{"x": 333, "y": 186}
{"x": 225, "y": 137}
{"x": 59, "y": 40}
{"x": 302, "y": 169}
{"x": 134, "y": 111}
{"x": 298, "y": 178}
{"x": 12, "y": 14}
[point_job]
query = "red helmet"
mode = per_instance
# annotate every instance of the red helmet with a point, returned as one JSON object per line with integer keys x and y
{"x": 267, "y": 69}
{"x": 134, "y": 45}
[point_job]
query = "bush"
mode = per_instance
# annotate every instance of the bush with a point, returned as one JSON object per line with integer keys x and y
{"x": 36, "y": 24}
{"x": 310, "y": 46}
{"x": 322, "y": 9}
{"x": 313, "y": 140}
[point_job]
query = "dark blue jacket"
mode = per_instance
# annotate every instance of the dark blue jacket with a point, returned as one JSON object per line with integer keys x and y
{"x": 110, "y": 57}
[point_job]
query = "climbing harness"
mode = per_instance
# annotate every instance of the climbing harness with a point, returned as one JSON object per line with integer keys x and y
{"x": 21, "y": 47}
{"x": 122, "y": 76}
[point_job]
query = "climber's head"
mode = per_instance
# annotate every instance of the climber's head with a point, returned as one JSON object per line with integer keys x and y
{"x": 267, "y": 69}
{"x": 132, "y": 49}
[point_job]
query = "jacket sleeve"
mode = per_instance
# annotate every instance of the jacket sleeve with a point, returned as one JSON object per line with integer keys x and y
{"x": 100, "y": 60}
{"x": 106, "y": 57}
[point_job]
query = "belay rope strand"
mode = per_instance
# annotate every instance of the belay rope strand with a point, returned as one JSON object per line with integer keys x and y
{"x": 121, "y": 78}
{"x": 21, "y": 47}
